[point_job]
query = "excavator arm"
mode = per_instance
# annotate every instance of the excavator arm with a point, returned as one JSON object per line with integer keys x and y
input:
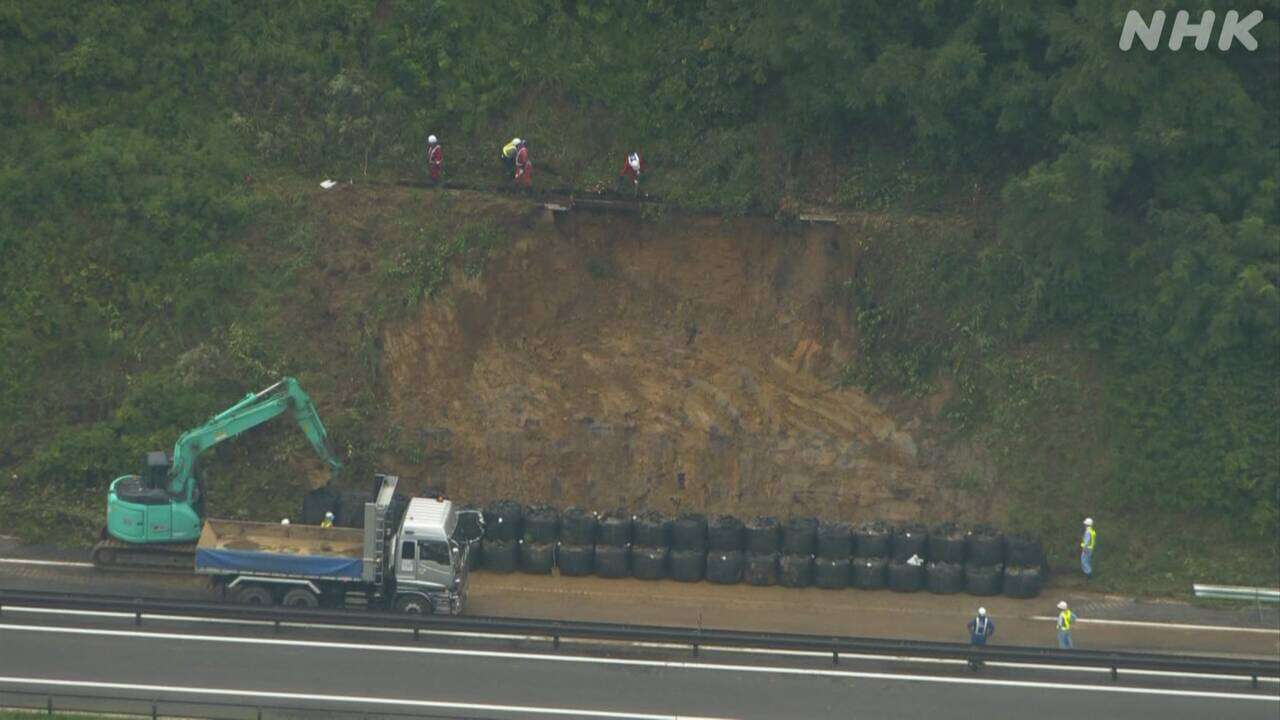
{"x": 253, "y": 410}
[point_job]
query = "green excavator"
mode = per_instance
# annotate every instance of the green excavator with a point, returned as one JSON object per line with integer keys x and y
{"x": 154, "y": 519}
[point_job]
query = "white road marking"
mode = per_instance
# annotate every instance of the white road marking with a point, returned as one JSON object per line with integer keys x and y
{"x": 1164, "y": 626}
{"x": 440, "y": 704}
{"x": 665, "y": 664}
{"x": 652, "y": 645}
{"x": 54, "y": 563}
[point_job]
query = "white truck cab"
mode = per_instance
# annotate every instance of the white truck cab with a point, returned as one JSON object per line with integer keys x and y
{"x": 430, "y": 559}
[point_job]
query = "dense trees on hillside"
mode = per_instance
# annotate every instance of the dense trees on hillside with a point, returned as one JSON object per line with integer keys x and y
{"x": 1137, "y": 203}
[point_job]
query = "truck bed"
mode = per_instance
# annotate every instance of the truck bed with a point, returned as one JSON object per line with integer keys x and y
{"x": 303, "y": 551}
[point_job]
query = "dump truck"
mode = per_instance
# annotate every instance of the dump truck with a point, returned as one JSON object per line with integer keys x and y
{"x": 409, "y": 557}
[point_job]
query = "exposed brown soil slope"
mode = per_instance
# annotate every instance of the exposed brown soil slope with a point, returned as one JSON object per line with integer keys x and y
{"x": 684, "y": 364}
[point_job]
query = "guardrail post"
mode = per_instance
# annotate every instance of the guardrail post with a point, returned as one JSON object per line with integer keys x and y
{"x": 277, "y": 626}
{"x": 835, "y": 657}
{"x": 259, "y": 712}
{"x": 1115, "y": 673}
{"x": 555, "y": 641}
{"x": 416, "y": 629}
{"x": 48, "y": 704}
{"x": 1255, "y": 682}
{"x": 137, "y": 612}
{"x": 154, "y": 713}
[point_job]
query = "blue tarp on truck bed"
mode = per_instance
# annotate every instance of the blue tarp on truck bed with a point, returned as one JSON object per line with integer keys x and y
{"x": 211, "y": 560}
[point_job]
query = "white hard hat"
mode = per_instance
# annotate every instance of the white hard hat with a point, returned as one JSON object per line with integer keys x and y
{"x": 329, "y": 515}
{"x": 1062, "y": 605}
{"x": 431, "y": 139}
{"x": 982, "y": 611}
{"x": 633, "y": 157}
{"x": 284, "y": 521}
{"x": 1088, "y": 522}
{"x": 517, "y": 141}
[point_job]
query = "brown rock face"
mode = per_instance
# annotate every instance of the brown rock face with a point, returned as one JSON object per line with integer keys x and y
{"x": 684, "y": 365}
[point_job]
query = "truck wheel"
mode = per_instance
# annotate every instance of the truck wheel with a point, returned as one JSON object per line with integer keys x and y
{"x": 414, "y": 605}
{"x": 300, "y": 597}
{"x": 254, "y": 595}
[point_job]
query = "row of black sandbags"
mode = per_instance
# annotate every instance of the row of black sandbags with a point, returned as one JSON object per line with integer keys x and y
{"x": 735, "y": 566}
{"x": 507, "y": 520}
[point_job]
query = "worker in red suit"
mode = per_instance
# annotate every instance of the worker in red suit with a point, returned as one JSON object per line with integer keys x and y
{"x": 435, "y": 159}
{"x": 630, "y": 174}
{"x": 524, "y": 168}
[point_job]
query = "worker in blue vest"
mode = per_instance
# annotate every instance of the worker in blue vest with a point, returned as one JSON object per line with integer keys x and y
{"x": 1087, "y": 542}
{"x": 981, "y": 627}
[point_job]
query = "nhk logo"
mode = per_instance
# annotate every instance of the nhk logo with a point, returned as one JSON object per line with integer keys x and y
{"x": 1233, "y": 28}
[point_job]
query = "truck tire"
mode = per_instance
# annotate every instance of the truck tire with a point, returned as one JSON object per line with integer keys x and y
{"x": 687, "y": 565}
{"x": 724, "y": 567}
{"x": 761, "y": 568}
{"x": 537, "y": 558}
{"x": 541, "y": 525}
{"x": 300, "y": 597}
{"x": 724, "y": 533}
{"x": 614, "y": 530}
{"x": 799, "y": 536}
{"x": 984, "y": 546}
{"x": 835, "y": 540}
{"x": 649, "y": 563}
{"x": 1022, "y": 581}
{"x": 414, "y": 605}
{"x": 651, "y": 529}
{"x": 502, "y": 520}
{"x": 578, "y": 527}
{"x": 946, "y": 543}
{"x": 255, "y": 595}
{"x": 1023, "y": 550}
{"x": 612, "y": 561}
{"x": 575, "y": 560}
{"x": 905, "y": 577}
{"x": 908, "y": 539}
{"x": 944, "y": 578}
{"x": 498, "y": 555}
{"x": 871, "y": 539}
{"x": 795, "y": 571}
{"x": 869, "y": 572}
{"x": 983, "y": 580}
{"x": 689, "y": 532}
{"x": 831, "y": 573}
{"x": 762, "y": 535}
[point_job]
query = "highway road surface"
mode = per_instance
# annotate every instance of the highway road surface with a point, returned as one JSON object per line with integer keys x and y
{"x": 368, "y": 671}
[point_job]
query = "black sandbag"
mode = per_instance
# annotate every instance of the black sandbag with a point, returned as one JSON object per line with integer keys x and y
{"x": 869, "y": 572}
{"x": 614, "y": 529}
{"x": 724, "y": 532}
{"x": 795, "y": 570}
{"x": 316, "y": 503}
{"x": 908, "y": 539}
{"x": 612, "y": 561}
{"x": 984, "y": 546}
{"x": 905, "y": 577}
{"x": 649, "y": 563}
{"x": 1022, "y": 581}
{"x": 350, "y": 512}
{"x": 983, "y": 579}
{"x": 578, "y": 527}
{"x": 835, "y": 540}
{"x": 689, "y": 532}
{"x": 831, "y": 573}
{"x": 575, "y": 560}
{"x": 1023, "y": 550}
{"x": 687, "y": 565}
{"x": 946, "y": 543}
{"x": 871, "y": 539}
{"x": 944, "y": 578}
{"x": 763, "y": 535}
{"x": 761, "y": 568}
{"x": 498, "y": 555}
{"x": 799, "y": 536}
{"x": 502, "y": 520}
{"x": 541, "y": 524}
{"x": 537, "y": 558}
{"x": 468, "y": 522}
{"x": 651, "y": 529}
{"x": 724, "y": 567}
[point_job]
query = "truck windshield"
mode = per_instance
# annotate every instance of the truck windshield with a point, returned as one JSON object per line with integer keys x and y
{"x": 437, "y": 552}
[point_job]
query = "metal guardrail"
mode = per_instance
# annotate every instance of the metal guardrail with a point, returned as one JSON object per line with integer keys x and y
{"x": 1235, "y": 592}
{"x": 693, "y": 638}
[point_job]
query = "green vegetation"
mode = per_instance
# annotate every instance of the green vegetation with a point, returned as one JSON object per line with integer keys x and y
{"x": 1104, "y": 302}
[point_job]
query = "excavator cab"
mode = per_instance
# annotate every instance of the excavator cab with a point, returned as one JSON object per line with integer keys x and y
{"x": 149, "y": 487}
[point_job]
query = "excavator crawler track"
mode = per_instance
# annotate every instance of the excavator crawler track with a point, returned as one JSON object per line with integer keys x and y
{"x": 112, "y": 554}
